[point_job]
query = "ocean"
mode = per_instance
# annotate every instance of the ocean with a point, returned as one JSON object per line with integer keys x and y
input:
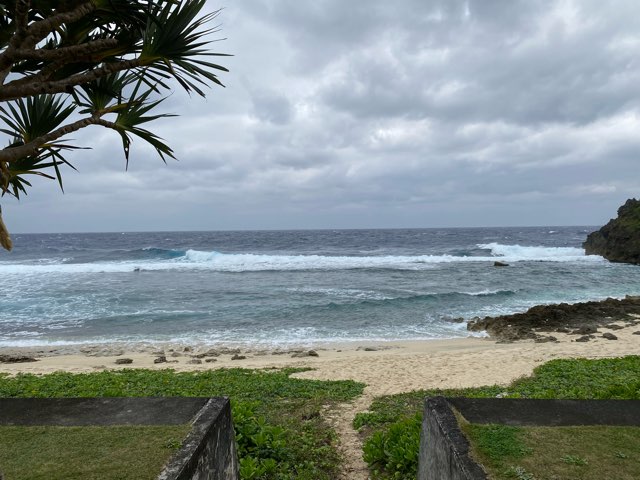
{"x": 281, "y": 288}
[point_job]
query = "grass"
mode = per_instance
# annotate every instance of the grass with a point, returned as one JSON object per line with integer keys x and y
{"x": 281, "y": 432}
{"x": 568, "y": 453}
{"x": 87, "y": 452}
{"x": 611, "y": 378}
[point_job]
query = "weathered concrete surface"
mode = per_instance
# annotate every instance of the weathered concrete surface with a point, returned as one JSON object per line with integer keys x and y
{"x": 444, "y": 450}
{"x": 209, "y": 451}
{"x": 516, "y": 411}
{"x": 68, "y": 412}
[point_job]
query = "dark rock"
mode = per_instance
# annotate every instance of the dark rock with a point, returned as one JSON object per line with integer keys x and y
{"x": 230, "y": 351}
{"x": 211, "y": 360}
{"x": 310, "y": 353}
{"x": 186, "y": 349}
{"x": 613, "y": 326}
{"x": 584, "y": 338}
{"x": 447, "y": 318}
{"x": 618, "y": 240}
{"x": 199, "y": 355}
{"x": 500, "y": 264}
{"x": 176, "y": 354}
{"x": 636, "y": 333}
{"x": 124, "y": 361}
{"x": 551, "y": 318}
{"x": 160, "y": 359}
{"x": 542, "y": 339}
{"x": 563, "y": 330}
{"x": 195, "y": 361}
{"x": 585, "y": 330}
{"x": 609, "y": 336}
{"x": 212, "y": 353}
{"x": 238, "y": 357}
{"x": 16, "y": 359}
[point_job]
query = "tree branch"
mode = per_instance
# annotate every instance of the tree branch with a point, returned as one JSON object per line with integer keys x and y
{"x": 27, "y": 36}
{"x": 16, "y": 89}
{"x": 22, "y": 16}
{"x": 38, "y": 30}
{"x": 65, "y": 54}
{"x": 12, "y": 154}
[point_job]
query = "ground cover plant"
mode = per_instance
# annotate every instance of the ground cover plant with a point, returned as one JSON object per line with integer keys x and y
{"x": 570, "y": 453}
{"x": 87, "y": 452}
{"x": 280, "y": 432}
{"x": 391, "y": 455}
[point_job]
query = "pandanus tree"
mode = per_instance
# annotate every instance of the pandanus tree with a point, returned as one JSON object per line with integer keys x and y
{"x": 71, "y": 64}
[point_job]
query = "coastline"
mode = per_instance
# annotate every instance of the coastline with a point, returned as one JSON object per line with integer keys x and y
{"x": 386, "y": 367}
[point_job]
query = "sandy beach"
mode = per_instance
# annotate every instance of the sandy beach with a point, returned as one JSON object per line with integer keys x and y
{"x": 386, "y": 367}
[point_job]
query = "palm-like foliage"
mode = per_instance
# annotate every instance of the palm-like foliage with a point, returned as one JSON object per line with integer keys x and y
{"x": 70, "y": 64}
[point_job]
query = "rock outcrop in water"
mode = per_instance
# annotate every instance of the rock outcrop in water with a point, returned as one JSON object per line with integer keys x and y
{"x": 618, "y": 240}
{"x": 578, "y": 318}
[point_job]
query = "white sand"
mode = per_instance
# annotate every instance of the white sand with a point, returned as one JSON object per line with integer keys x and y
{"x": 392, "y": 368}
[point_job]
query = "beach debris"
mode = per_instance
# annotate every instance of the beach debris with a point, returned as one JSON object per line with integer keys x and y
{"x": 176, "y": 354}
{"x": 609, "y": 336}
{"x": 160, "y": 359}
{"x": 500, "y": 264}
{"x": 210, "y": 360}
{"x": 584, "y": 338}
{"x": 124, "y": 361}
{"x": 310, "y": 353}
{"x": 186, "y": 349}
{"x": 238, "y": 357}
{"x": 195, "y": 361}
{"x": 16, "y": 359}
{"x": 198, "y": 355}
{"x": 563, "y": 330}
{"x": 212, "y": 353}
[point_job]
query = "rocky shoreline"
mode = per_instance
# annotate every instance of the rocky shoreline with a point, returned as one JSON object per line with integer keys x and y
{"x": 580, "y": 319}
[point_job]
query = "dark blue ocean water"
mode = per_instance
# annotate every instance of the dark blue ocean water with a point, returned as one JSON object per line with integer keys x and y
{"x": 289, "y": 287}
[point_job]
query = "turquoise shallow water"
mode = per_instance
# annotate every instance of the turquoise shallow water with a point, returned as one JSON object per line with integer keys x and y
{"x": 290, "y": 287}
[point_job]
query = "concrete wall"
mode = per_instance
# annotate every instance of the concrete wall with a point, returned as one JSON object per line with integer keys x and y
{"x": 444, "y": 450}
{"x": 209, "y": 451}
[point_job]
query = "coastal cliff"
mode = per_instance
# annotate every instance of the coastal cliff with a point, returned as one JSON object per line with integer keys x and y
{"x": 618, "y": 240}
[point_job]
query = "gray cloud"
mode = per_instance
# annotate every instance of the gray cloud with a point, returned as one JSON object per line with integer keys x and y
{"x": 381, "y": 114}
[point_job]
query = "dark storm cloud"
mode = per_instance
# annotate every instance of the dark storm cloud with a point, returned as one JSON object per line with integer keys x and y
{"x": 377, "y": 113}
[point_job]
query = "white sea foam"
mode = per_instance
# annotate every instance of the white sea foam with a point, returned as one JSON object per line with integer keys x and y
{"x": 244, "y": 262}
{"x": 516, "y": 253}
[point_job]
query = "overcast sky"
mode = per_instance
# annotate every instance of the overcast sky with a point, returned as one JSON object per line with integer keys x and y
{"x": 357, "y": 114}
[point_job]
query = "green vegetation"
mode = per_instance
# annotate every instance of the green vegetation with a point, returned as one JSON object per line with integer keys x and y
{"x": 281, "y": 434}
{"x": 615, "y": 378}
{"x": 570, "y": 453}
{"x": 87, "y": 452}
